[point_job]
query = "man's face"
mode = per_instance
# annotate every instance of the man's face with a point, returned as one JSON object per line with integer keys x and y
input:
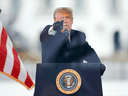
{"x": 68, "y": 21}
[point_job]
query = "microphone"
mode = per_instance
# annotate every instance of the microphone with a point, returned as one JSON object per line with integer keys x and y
{"x": 67, "y": 34}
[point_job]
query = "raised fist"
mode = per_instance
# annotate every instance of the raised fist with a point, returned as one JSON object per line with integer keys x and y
{"x": 57, "y": 26}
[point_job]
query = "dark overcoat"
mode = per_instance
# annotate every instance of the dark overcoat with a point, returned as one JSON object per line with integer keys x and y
{"x": 58, "y": 49}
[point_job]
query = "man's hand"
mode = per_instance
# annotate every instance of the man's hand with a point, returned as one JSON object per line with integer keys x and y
{"x": 57, "y": 26}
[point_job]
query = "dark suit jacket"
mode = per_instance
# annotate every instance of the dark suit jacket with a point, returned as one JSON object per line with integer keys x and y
{"x": 57, "y": 48}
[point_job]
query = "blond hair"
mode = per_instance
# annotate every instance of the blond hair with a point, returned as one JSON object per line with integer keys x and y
{"x": 63, "y": 9}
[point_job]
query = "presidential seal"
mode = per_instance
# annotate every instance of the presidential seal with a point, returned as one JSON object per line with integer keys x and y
{"x": 68, "y": 81}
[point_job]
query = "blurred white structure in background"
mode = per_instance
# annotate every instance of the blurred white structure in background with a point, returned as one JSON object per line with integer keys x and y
{"x": 101, "y": 20}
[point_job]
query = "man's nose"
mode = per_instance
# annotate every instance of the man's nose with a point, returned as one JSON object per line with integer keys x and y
{"x": 65, "y": 20}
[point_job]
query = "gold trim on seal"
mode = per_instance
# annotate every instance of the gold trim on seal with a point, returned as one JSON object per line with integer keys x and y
{"x": 68, "y": 71}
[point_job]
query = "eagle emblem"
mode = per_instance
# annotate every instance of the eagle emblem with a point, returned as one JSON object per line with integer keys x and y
{"x": 68, "y": 79}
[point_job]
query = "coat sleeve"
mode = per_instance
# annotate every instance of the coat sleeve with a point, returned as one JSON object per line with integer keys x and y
{"x": 89, "y": 53}
{"x": 51, "y": 45}
{"x": 44, "y": 34}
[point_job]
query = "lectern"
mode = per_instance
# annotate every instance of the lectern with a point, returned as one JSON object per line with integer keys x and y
{"x": 69, "y": 79}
